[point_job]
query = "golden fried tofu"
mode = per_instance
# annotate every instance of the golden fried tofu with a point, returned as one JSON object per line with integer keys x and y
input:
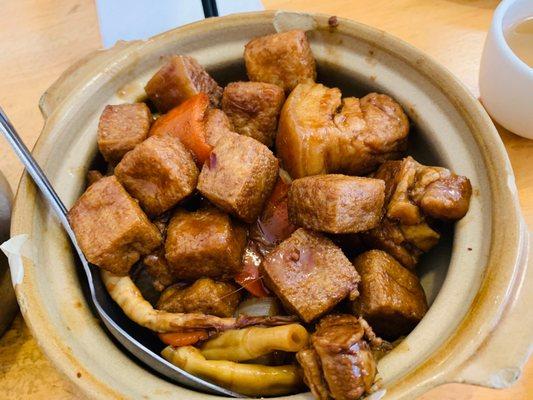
{"x": 309, "y": 274}
{"x": 239, "y": 176}
{"x": 121, "y": 128}
{"x": 204, "y": 296}
{"x": 319, "y": 132}
{"x": 391, "y": 298}
{"x": 204, "y": 243}
{"x": 284, "y": 59}
{"x": 159, "y": 172}
{"x": 179, "y": 79}
{"x": 111, "y": 229}
{"x": 217, "y": 124}
{"x": 336, "y": 203}
{"x": 253, "y": 108}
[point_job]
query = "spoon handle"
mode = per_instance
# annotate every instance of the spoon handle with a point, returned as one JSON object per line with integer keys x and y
{"x": 33, "y": 168}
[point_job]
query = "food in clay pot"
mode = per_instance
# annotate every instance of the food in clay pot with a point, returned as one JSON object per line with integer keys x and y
{"x": 236, "y": 215}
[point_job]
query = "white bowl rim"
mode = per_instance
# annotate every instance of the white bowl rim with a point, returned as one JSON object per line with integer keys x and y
{"x": 499, "y": 36}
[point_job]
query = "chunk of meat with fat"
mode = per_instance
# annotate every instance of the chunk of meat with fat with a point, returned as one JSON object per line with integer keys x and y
{"x": 313, "y": 378}
{"x": 391, "y": 298}
{"x": 414, "y": 190}
{"x": 320, "y": 133}
{"x": 121, "y": 128}
{"x": 336, "y": 203}
{"x": 406, "y": 243}
{"x": 253, "y": 108}
{"x": 111, "y": 228}
{"x": 339, "y": 364}
{"x": 179, "y": 79}
{"x": 204, "y": 243}
{"x": 159, "y": 172}
{"x": 284, "y": 59}
{"x": 309, "y": 274}
{"x": 239, "y": 176}
{"x": 203, "y": 296}
{"x": 447, "y": 198}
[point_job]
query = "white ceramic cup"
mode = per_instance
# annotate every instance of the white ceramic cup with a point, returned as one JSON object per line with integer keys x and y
{"x": 505, "y": 81}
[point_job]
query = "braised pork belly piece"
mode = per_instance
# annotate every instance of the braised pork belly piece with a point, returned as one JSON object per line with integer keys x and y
{"x": 406, "y": 243}
{"x": 339, "y": 363}
{"x": 319, "y": 132}
{"x": 414, "y": 190}
{"x": 414, "y": 195}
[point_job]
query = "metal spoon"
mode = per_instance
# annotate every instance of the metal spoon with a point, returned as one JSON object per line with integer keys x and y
{"x": 124, "y": 330}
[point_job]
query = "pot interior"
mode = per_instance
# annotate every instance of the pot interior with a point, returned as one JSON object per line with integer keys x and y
{"x": 356, "y": 59}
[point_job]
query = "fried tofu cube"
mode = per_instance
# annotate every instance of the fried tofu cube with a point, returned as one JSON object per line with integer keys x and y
{"x": 160, "y": 172}
{"x": 111, "y": 229}
{"x": 336, "y": 203}
{"x": 217, "y": 124}
{"x": 239, "y": 176}
{"x": 391, "y": 298}
{"x": 179, "y": 79}
{"x": 309, "y": 274}
{"x": 253, "y": 108}
{"x": 204, "y": 296}
{"x": 284, "y": 59}
{"x": 121, "y": 128}
{"x": 204, "y": 243}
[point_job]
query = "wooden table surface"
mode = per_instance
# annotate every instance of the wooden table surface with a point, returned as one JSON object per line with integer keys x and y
{"x": 39, "y": 39}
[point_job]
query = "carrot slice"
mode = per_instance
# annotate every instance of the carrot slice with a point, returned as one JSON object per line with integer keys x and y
{"x": 185, "y": 338}
{"x": 187, "y": 123}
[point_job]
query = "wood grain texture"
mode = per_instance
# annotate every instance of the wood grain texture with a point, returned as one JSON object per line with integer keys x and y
{"x": 41, "y": 39}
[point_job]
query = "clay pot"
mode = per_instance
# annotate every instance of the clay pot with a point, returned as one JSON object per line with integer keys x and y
{"x": 479, "y": 327}
{"x": 8, "y": 302}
